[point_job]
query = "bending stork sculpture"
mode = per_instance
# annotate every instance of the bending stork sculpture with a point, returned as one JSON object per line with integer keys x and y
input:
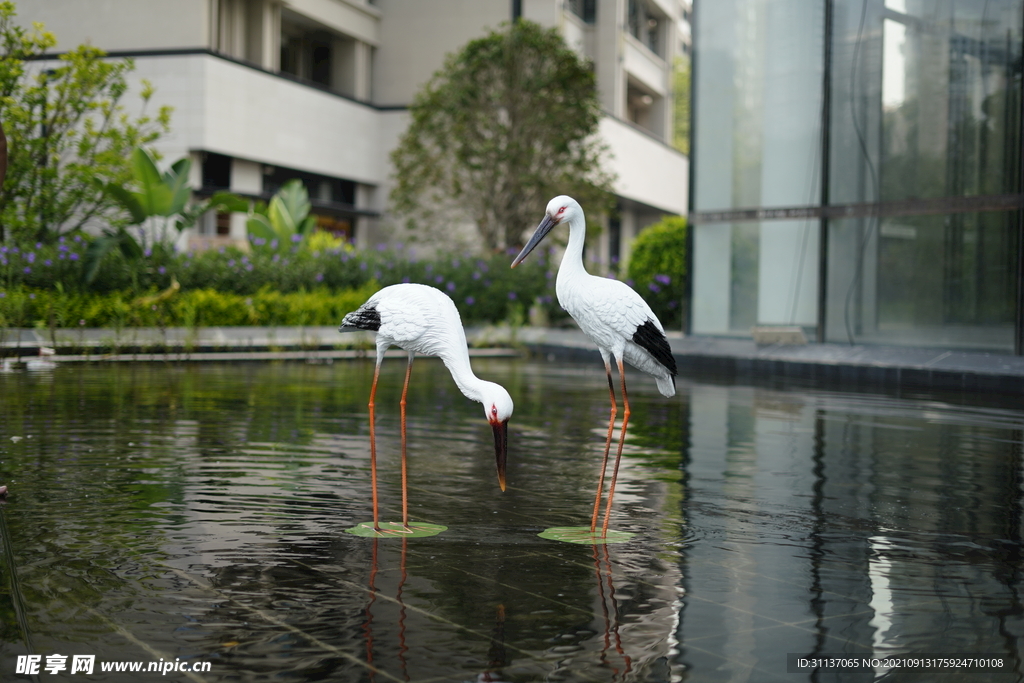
{"x": 421, "y": 319}
{"x": 615, "y": 318}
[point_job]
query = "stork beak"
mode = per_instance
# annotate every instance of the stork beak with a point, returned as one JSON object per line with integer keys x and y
{"x": 543, "y": 229}
{"x": 500, "y": 449}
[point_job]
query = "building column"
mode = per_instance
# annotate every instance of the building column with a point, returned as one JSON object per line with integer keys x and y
{"x": 246, "y": 178}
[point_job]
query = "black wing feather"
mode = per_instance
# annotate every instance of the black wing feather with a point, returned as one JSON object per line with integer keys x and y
{"x": 651, "y": 339}
{"x": 364, "y": 318}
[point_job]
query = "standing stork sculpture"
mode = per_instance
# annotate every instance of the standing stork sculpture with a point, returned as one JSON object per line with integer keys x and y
{"x": 615, "y": 318}
{"x": 421, "y": 319}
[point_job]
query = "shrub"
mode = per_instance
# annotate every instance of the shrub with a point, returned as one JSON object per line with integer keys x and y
{"x": 228, "y": 286}
{"x": 657, "y": 267}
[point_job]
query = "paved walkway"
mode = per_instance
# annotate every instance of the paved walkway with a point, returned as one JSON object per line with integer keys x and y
{"x": 831, "y": 364}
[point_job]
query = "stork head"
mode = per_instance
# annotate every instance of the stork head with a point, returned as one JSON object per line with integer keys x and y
{"x": 498, "y": 409}
{"x": 561, "y": 209}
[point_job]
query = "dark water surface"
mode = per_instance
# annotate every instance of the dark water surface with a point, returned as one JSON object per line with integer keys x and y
{"x": 195, "y": 514}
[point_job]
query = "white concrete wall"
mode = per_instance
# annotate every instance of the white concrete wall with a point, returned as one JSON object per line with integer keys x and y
{"x": 121, "y": 24}
{"x": 649, "y": 171}
{"x": 415, "y": 37}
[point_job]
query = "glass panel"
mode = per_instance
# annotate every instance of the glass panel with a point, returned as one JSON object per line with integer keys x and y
{"x": 758, "y": 103}
{"x": 924, "y": 280}
{"x": 926, "y": 99}
{"x": 755, "y": 274}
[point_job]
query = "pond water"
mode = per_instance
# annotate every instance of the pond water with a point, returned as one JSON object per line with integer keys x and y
{"x": 195, "y": 516}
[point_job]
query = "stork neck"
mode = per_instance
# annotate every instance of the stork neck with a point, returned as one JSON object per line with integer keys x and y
{"x": 458, "y": 365}
{"x": 572, "y": 260}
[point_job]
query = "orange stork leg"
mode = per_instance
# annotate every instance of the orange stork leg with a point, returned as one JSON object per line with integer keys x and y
{"x": 373, "y": 447}
{"x": 618, "y": 455}
{"x": 607, "y": 447}
{"x": 405, "y": 481}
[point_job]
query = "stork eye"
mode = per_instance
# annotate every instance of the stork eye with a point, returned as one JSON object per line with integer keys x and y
{"x": 561, "y": 211}
{"x": 494, "y": 411}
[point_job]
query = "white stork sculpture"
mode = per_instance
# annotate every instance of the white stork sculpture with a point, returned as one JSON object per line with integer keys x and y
{"x": 615, "y": 318}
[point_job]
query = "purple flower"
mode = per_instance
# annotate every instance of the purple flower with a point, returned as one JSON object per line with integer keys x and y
{"x": 3, "y": 295}
{"x": 78, "y": 238}
{"x": 148, "y": 253}
{"x": 296, "y": 238}
{"x": 456, "y": 263}
{"x": 512, "y": 296}
{"x": 62, "y": 256}
{"x": 27, "y": 270}
{"x": 381, "y": 246}
{"x": 248, "y": 267}
{"x": 259, "y": 241}
{"x": 476, "y": 275}
{"x": 663, "y": 279}
{"x": 450, "y": 286}
{"x": 277, "y": 257}
{"x": 161, "y": 270}
{"x": 319, "y": 277}
{"x": 405, "y": 279}
{"x": 654, "y": 288}
{"x": 231, "y": 263}
{"x": 48, "y": 262}
{"x": 39, "y": 245}
{"x": 30, "y": 257}
{"x": 31, "y": 296}
{"x": 74, "y": 256}
{"x": 470, "y": 301}
{"x": 439, "y": 279}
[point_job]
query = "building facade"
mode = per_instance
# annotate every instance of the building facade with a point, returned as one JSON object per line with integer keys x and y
{"x": 267, "y": 90}
{"x": 857, "y": 170}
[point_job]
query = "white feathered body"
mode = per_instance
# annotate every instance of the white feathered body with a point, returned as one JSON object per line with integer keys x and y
{"x": 424, "y": 320}
{"x": 609, "y": 312}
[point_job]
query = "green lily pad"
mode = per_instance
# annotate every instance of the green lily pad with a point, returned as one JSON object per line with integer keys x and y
{"x": 584, "y": 536}
{"x": 396, "y": 530}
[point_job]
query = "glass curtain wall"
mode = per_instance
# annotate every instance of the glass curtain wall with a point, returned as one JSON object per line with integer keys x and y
{"x": 926, "y": 104}
{"x": 757, "y": 144}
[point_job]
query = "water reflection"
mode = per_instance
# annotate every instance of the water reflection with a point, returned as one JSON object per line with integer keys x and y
{"x": 196, "y": 514}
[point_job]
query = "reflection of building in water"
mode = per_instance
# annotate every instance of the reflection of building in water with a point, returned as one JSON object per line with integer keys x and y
{"x": 832, "y": 524}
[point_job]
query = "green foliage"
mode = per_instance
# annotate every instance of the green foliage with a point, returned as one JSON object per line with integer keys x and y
{"x": 657, "y": 268}
{"x": 66, "y": 129}
{"x": 681, "y": 105}
{"x": 285, "y": 222}
{"x": 508, "y": 123}
{"x": 159, "y": 195}
{"x": 199, "y": 307}
{"x": 258, "y": 288}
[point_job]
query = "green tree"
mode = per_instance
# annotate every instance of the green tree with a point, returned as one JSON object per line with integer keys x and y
{"x": 66, "y": 127}
{"x": 509, "y": 122}
{"x": 657, "y": 267}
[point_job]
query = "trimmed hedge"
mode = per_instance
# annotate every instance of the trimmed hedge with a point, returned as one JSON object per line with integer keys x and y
{"x": 195, "y": 308}
{"x": 43, "y": 285}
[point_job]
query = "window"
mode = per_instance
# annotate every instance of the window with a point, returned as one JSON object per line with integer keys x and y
{"x": 584, "y": 9}
{"x": 216, "y": 171}
{"x": 644, "y": 25}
